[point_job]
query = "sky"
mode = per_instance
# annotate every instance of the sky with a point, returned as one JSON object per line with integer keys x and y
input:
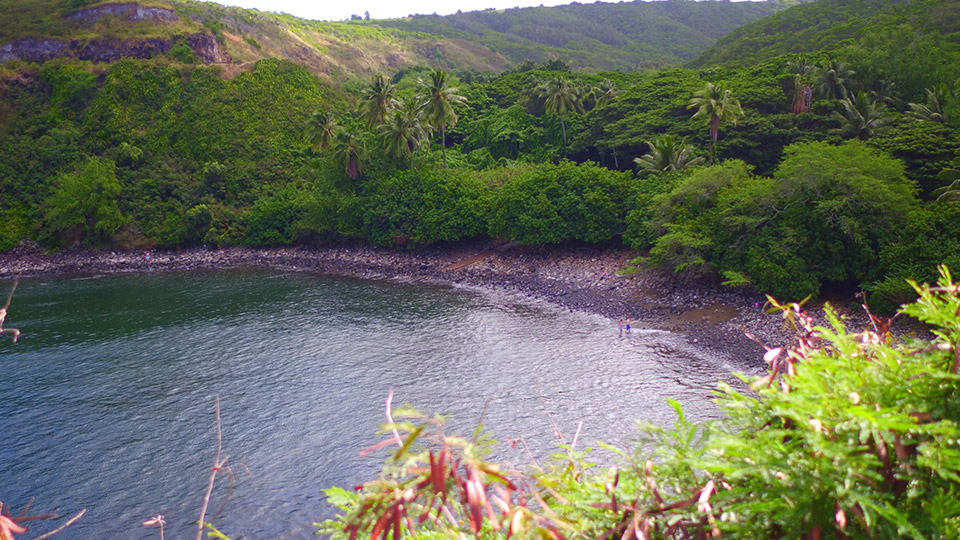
{"x": 338, "y": 10}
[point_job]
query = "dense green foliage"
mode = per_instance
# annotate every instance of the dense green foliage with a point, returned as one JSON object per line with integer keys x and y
{"x": 847, "y": 436}
{"x": 825, "y": 216}
{"x": 554, "y": 204}
{"x": 83, "y": 205}
{"x": 425, "y": 206}
{"x": 596, "y": 36}
{"x": 891, "y": 38}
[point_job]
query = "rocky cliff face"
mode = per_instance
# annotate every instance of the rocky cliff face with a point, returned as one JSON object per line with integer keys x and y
{"x": 110, "y": 50}
{"x": 33, "y": 49}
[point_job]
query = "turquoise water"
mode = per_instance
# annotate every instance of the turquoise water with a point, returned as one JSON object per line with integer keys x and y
{"x": 106, "y": 402}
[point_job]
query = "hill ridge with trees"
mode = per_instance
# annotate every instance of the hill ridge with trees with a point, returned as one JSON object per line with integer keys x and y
{"x": 595, "y": 37}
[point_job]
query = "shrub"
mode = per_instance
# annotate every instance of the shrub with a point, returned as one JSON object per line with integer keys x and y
{"x": 84, "y": 204}
{"x": 683, "y": 221}
{"x": 932, "y": 236}
{"x": 181, "y": 52}
{"x": 824, "y": 217}
{"x": 549, "y": 204}
{"x": 423, "y": 207}
{"x": 14, "y": 226}
{"x": 272, "y": 220}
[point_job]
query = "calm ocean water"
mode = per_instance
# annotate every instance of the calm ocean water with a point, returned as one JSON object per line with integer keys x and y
{"x": 106, "y": 402}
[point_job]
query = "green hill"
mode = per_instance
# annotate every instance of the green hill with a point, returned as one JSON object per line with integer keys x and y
{"x": 827, "y": 25}
{"x": 598, "y": 36}
{"x": 595, "y": 37}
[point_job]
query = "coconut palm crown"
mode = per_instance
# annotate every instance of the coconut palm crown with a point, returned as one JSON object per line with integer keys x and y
{"x": 832, "y": 79}
{"x": 951, "y": 191}
{"x": 379, "y": 98}
{"x": 321, "y": 130}
{"x": 437, "y": 101}
{"x": 667, "y": 153}
{"x": 716, "y": 104}
{"x": 933, "y": 109}
{"x": 860, "y": 117}
{"x": 402, "y": 134}
{"x": 559, "y": 98}
{"x": 350, "y": 150}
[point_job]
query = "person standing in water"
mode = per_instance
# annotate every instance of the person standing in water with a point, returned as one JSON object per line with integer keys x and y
{"x": 620, "y": 326}
{"x": 628, "y": 325}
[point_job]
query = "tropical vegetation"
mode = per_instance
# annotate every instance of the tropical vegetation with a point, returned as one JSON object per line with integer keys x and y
{"x": 814, "y": 152}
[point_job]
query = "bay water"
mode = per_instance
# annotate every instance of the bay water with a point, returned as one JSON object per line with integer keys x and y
{"x": 106, "y": 402}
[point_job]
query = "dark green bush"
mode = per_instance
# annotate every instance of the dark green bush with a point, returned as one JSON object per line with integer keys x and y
{"x": 84, "y": 205}
{"x": 683, "y": 221}
{"x": 424, "y": 206}
{"x": 13, "y": 228}
{"x": 273, "y": 220}
{"x": 931, "y": 237}
{"x": 549, "y": 204}
{"x": 824, "y": 217}
{"x": 181, "y": 52}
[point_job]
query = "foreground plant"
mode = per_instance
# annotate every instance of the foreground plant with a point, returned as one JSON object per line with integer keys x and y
{"x": 848, "y": 435}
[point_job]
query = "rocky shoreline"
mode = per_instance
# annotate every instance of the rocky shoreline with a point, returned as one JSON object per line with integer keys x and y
{"x": 706, "y": 314}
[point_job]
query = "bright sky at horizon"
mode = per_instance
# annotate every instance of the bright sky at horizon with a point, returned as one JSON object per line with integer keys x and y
{"x": 326, "y": 10}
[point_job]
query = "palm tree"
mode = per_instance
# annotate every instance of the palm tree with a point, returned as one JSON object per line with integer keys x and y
{"x": 437, "y": 104}
{"x": 606, "y": 91}
{"x": 402, "y": 134}
{"x": 422, "y": 130}
{"x": 860, "y": 117}
{"x": 667, "y": 153}
{"x": 800, "y": 66}
{"x": 378, "y": 99}
{"x": 802, "y": 93}
{"x": 951, "y": 174}
{"x": 884, "y": 92}
{"x": 933, "y": 109}
{"x": 559, "y": 97}
{"x": 350, "y": 150}
{"x": 832, "y": 79}
{"x": 321, "y": 130}
{"x": 717, "y": 104}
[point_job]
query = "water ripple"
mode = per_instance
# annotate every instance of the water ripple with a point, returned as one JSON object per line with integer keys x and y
{"x": 107, "y": 399}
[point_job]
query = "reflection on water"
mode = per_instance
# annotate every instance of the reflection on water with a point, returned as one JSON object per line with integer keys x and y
{"x": 107, "y": 399}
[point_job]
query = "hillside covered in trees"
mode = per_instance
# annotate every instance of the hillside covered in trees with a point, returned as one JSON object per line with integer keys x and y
{"x": 601, "y": 36}
{"x": 911, "y": 28}
{"x": 794, "y": 174}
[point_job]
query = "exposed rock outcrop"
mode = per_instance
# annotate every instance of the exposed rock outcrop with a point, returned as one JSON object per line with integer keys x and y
{"x": 109, "y": 50}
{"x": 32, "y": 49}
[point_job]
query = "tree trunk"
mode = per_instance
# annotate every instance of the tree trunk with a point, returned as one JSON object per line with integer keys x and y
{"x": 443, "y": 146}
{"x": 714, "y": 134}
{"x": 563, "y": 128}
{"x": 353, "y": 171}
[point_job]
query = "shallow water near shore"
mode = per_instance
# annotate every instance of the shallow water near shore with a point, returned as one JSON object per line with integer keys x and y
{"x": 107, "y": 399}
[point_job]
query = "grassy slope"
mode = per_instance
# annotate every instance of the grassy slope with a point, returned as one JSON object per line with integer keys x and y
{"x": 831, "y": 24}
{"x": 593, "y": 37}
